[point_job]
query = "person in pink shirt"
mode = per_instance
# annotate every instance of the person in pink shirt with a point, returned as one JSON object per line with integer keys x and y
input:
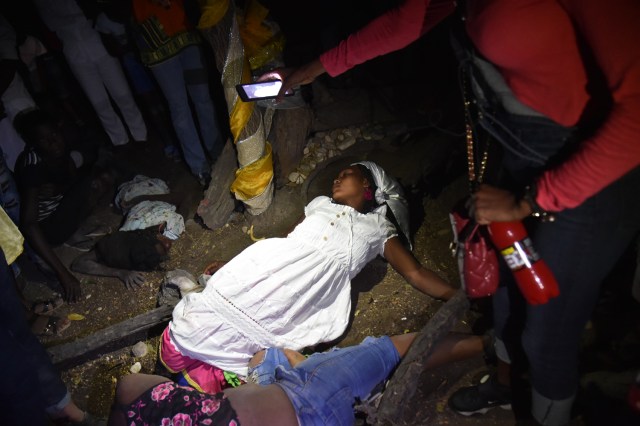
{"x": 558, "y": 85}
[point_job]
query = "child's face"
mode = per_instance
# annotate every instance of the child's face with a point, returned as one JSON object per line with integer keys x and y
{"x": 49, "y": 142}
{"x": 349, "y": 186}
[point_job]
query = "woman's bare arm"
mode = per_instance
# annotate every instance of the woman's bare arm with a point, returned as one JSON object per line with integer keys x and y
{"x": 418, "y": 276}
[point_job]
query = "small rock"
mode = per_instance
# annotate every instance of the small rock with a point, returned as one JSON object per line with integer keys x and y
{"x": 135, "y": 368}
{"x": 139, "y": 349}
{"x": 245, "y": 229}
{"x": 296, "y": 177}
{"x": 305, "y": 168}
{"x": 346, "y": 143}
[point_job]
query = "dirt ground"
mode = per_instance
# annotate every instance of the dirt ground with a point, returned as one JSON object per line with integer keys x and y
{"x": 383, "y": 303}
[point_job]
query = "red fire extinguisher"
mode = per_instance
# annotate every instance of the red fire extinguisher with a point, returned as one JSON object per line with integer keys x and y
{"x": 533, "y": 276}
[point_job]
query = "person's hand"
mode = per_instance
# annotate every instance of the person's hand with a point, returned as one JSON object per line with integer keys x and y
{"x": 132, "y": 279}
{"x": 491, "y": 204}
{"x": 213, "y": 267}
{"x": 294, "y": 77}
{"x": 71, "y": 287}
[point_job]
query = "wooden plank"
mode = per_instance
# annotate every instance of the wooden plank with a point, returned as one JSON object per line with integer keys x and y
{"x": 403, "y": 384}
{"x": 72, "y": 350}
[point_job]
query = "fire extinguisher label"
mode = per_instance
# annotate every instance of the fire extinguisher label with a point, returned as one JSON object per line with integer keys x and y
{"x": 520, "y": 255}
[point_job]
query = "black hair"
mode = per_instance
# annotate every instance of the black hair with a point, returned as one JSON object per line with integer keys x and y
{"x": 131, "y": 250}
{"x": 369, "y": 205}
{"x": 26, "y": 123}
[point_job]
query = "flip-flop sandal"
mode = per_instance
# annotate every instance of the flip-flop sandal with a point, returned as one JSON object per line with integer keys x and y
{"x": 47, "y": 307}
{"x": 46, "y": 326}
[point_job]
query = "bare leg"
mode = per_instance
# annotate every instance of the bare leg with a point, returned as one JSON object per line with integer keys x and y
{"x": 71, "y": 413}
{"x": 128, "y": 390}
{"x": 453, "y": 347}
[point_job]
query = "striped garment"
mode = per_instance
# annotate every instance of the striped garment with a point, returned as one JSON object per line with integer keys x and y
{"x": 46, "y": 204}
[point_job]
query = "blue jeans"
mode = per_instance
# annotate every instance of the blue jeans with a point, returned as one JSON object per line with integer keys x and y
{"x": 323, "y": 387}
{"x": 581, "y": 247}
{"x": 176, "y": 76}
{"x": 33, "y": 385}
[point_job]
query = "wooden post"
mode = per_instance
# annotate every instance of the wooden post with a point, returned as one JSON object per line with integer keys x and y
{"x": 402, "y": 385}
{"x": 73, "y": 350}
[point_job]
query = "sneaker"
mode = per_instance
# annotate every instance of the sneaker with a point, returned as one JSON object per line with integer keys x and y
{"x": 480, "y": 398}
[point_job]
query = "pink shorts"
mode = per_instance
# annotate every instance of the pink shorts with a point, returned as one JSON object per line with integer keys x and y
{"x": 198, "y": 374}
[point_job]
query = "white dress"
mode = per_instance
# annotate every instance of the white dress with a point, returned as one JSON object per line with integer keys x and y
{"x": 289, "y": 292}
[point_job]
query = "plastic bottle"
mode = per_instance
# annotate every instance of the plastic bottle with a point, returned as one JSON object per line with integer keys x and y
{"x": 533, "y": 276}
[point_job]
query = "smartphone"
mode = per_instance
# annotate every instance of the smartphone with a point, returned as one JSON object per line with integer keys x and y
{"x": 260, "y": 90}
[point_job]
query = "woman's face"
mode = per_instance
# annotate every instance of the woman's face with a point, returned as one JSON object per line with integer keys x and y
{"x": 348, "y": 188}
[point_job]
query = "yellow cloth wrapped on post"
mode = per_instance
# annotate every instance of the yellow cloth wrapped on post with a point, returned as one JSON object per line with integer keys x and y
{"x": 261, "y": 43}
{"x": 252, "y": 180}
{"x": 239, "y": 117}
{"x": 11, "y": 240}
{"x": 212, "y": 12}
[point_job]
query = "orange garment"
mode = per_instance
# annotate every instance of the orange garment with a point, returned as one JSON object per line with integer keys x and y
{"x": 173, "y": 18}
{"x": 162, "y": 32}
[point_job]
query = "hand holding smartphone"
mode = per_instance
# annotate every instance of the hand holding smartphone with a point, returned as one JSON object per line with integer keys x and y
{"x": 261, "y": 90}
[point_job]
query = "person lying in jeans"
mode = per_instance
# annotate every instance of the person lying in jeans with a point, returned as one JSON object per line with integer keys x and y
{"x": 284, "y": 387}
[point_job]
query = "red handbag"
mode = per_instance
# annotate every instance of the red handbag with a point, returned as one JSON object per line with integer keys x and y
{"x": 476, "y": 256}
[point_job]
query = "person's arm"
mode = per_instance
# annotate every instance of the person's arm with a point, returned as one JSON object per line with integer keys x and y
{"x": 33, "y": 233}
{"x": 613, "y": 150}
{"x": 419, "y": 277}
{"x": 611, "y": 32}
{"x": 88, "y": 264}
{"x": 391, "y": 31}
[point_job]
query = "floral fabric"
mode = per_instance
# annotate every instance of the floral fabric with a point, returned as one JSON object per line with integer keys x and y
{"x": 169, "y": 404}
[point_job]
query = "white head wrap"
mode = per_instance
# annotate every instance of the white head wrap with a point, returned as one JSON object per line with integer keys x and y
{"x": 390, "y": 193}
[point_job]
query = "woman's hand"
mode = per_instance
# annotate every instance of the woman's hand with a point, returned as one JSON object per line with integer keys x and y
{"x": 491, "y": 204}
{"x": 294, "y": 77}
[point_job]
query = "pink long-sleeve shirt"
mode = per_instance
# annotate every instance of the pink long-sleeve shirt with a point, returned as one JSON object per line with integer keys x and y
{"x": 536, "y": 45}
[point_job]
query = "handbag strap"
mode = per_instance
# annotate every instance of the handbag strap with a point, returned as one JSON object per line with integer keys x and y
{"x": 475, "y": 177}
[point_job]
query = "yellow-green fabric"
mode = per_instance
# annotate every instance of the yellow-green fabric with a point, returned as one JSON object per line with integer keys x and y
{"x": 11, "y": 240}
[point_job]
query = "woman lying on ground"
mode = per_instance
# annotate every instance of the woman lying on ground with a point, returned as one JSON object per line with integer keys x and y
{"x": 291, "y": 390}
{"x": 294, "y": 292}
